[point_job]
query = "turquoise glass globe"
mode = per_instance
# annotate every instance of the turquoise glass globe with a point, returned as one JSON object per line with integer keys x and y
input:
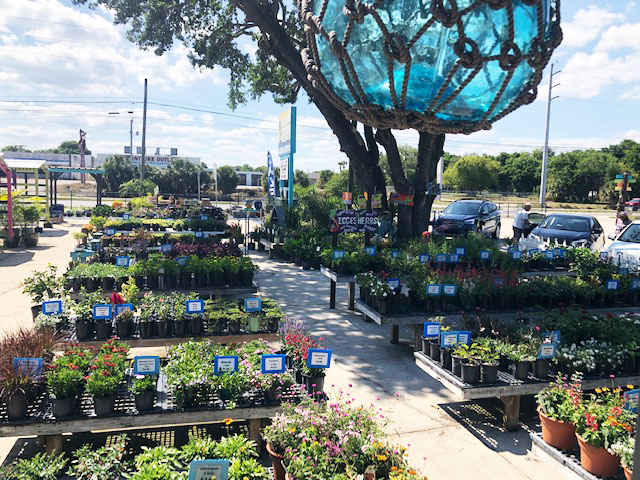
{"x": 443, "y": 65}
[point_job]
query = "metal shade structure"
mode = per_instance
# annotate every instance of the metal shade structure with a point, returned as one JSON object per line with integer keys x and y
{"x": 438, "y": 66}
{"x": 4, "y": 169}
{"x": 28, "y": 172}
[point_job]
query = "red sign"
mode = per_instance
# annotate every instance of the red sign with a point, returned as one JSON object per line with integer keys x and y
{"x": 401, "y": 199}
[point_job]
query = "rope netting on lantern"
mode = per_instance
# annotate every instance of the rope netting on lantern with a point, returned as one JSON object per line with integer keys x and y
{"x": 439, "y": 66}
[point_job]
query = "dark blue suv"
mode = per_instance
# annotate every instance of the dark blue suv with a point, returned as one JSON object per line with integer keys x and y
{"x": 464, "y": 216}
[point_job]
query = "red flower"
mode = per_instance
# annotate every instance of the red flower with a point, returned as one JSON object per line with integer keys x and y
{"x": 73, "y": 367}
{"x": 116, "y": 298}
{"x": 104, "y": 373}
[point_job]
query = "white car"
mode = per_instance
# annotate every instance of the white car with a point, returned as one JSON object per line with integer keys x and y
{"x": 625, "y": 248}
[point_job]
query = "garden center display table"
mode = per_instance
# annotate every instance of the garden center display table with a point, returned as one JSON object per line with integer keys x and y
{"x": 415, "y": 319}
{"x": 271, "y": 247}
{"x": 335, "y": 279}
{"x": 168, "y": 341}
{"x": 568, "y": 463}
{"x": 508, "y": 388}
{"x": 203, "y": 293}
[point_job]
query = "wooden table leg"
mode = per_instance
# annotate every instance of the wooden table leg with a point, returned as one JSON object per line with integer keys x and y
{"x": 395, "y": 334}
{"x": 352, "y": 296}
{"x": 511, "y": 412}
{"x": 271, "y": 254}
{"x": 417, "y": 337}
{"x": 255, "y": 431}
{"x": 332, "y": 295}
{"x": 52, "y": 443}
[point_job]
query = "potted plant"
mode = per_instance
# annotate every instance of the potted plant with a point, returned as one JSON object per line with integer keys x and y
{"x": 459, "y": 354}
{"x": 247, "y": 270}
{"x": 144, "y": 391}
{"x": 624, "y": 449}
{"x": 64, "y": 382}
{"x": 470, "y": 366}
{"x": 162, "y": 311}
{"x": 488, "y": 360}
{"x": 41, "y": 285}
{"x": 147, "y": 322}
{"x": 14, "y": 387}
{"x": 124, "y": 323}
{"x": 522, "y": 356}
{"x": 195, "y": 323}
{"x": 559, "y": 404}
{"x": 232, "y": 271}
{"x": 235, "y": 320}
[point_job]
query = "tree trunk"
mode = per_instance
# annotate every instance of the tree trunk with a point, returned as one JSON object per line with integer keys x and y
{"x": 430, "y": 150}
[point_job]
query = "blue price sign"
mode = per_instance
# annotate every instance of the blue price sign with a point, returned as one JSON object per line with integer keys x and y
{"x": 225, "y": 364}
{"x": 547, "y": 351}
{"x": 553, "y": 337}
{"x": 431, "y": 330}
{"x": 194, "y": 306}
{"x": 395, "y": 253}
{"x": 28, "y": 367}
{"x": 464, "y": 337}
{"x": 433, "y": 290}
{"x": 166, "y": 248}
{"x": 442, "y": 258}
{"x": 370, "y": 251}
{"x": 604, "y": 256}
{"x": 123, "y": 307}
{"x": 182, "y": 261}
{"x": 631, "y": 399}
{"x": 394, "y": 283}
{"x": 549, "y": 254}
{"x": 110, "y": 231}
{"x": 126, "y": 216}
{"x": 102, "y": 312}
{"x": 252, "y": 304}
{"x": 272, "y": 363}
{"x": 449, "y": 290}
{"x": 123, "y": 261}
{"x": 454, "y": 258}
{"x": 461, "y": 251}
{"x": 448, "y": 339}
{"x": 516, "y": 255}
{"x": 204, "y": 218}
{"x": 337, "y": 254}
{"x": 558, "y": 252}
{"x": 209, "y": 470}
{"x": 52, "y": 307}
{"x": 318, "y": 358}
{"x": 198, "y": 234}
{"x": 635, "y": 284}
{"x": 485, "y": 254}
{"x": 612, "y": 285}
{"x": 146, "y": 365}
{"x": 424, "y": 258}
{"x": 498, "y": 282}
{"x": 533, "y": 251}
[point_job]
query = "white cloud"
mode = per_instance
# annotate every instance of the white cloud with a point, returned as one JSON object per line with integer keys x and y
{"x": 586, "y": 25}
{"x": 620, "y": 36}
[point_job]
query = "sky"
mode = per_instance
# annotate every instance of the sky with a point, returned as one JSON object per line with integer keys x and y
{"x": 65, "y": 67}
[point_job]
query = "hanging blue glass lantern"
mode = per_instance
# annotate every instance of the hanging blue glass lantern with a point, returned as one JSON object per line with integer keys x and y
{"x": 441, "y": 66}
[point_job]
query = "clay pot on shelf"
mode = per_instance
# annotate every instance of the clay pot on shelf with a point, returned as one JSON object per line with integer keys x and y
{"x": 597, "y": 460}
{"x": 560, "y": 435}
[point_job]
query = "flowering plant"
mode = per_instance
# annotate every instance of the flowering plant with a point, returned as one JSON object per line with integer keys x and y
{"x": 143, "y": 383}
{"x": 624, "y": 449}
{"x": 64, "y": 382}
{"x": 561, "y": 400}
{"x": 591, "y": 356}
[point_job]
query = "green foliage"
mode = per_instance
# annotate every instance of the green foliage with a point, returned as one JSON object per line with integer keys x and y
{"x": 104, "y": 463}
{"x": 247, "y": 469}
{"x": 473, "y": 173}
{"x": 560, "y": 400}
{"x": 324, "y": 177}
{"x": 144, "y": 383}
{"x": 69, "y": 146}
{"x": 136, "y": 188}
{"x": 117, "y": 171}
{"x": 43, "y": 284}
{"x": 409, "y": 159}
{"x": 301, "y": 179}
{"x": 42, "y": 466}
{"x": 227, "y": 179}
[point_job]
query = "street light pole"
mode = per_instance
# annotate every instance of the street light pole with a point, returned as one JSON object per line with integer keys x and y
{"x": 545, "y": 155}
{"x": 144, "y": 131}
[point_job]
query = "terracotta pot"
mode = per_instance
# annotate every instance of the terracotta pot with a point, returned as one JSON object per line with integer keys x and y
{"x": 276, "y": 463}
{"x": 560, "y": 435}
{"x": 597, "y": 460}
{"x": 627, "y": 473}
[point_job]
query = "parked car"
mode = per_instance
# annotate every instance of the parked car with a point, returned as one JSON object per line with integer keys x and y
{"x": 567, "y": 229}
{"x": 464, "y": 216}
{"x": 634, "y": 203}
{"x": 625, "y": 248}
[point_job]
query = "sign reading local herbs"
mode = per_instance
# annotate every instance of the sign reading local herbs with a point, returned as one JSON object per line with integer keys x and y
{"x": 356, "y": 221}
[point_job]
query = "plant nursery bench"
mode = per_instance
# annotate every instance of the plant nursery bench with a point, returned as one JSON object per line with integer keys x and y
{"x": 271, "y": 247}
{"x": 335, "y": 279}
{"x": 508, "y": 388}
{"x": 223, "y": 339}
{"x": 203, "y": 293}
{"x": 415, "y": 319}
{"x": 566, "y": 462}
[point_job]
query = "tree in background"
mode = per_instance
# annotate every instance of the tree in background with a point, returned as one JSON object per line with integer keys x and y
{"x": 324, "y": 176}
{"x": 227, "y": 179}
{"x": 14, "y": 148}
{"x": 137, "y": 188}
{"x": 409, "y": 160}
{"x": 68, "y": 147}
{"x": 117, "y": 170}
{"x": 472, "y": 173}
{"x": 520, "y": 172}
{"x": 301, "y": 179}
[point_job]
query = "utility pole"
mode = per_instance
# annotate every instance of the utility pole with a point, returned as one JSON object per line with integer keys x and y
{"x": 131, "y": 139}
{"x": 82, "y": 145}
{"x": 545, "y": 155}
{"x": 144, "y": 131}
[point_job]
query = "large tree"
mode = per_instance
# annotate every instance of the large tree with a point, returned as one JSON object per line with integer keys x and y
{"x": 69, "y": 146}
{"x": 215, "y": 32}
{"x": 117, "y": 170}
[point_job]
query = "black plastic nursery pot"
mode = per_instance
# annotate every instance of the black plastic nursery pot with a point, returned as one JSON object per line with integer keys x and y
{"x": 91, "y": 284}
{"x": 434, "y": 350}
{"x": 456, "y": 365}
{"x": 163, "y": 328}
{"x": 144, "y": 401}
{"x": 152, "y": 282}
{"x": 108, "y": 283}
{"x": 215, "y": 327}
{"x": 104, "y": 405}
{"x": 274, "y": 324}
{"x": 170, "y": 282}
{"x": 35, "y": 310}
{"x": 124, "y": 329}
{"x": 17, "y": 406}
{"x": 103, "y": 330}
{"x": 383, "y": 306}
{"x": 425, "y": 346}
{"x": 234, "y": 326}
{"x": 489, "y": 372}
{"x": 247, "y": 278}
{"x": 84, "y": 329}
{"x": 541, "y": 368}
{"x": 179, "y": 327}
{"x": 470, "y": 373}
{"x": 195, "y": 325}
{"x": 185, "y": 280}
{"x": 63, "y": 407}
{"x": 313, "y": 384}
{"x": 522, "y": 369}
{"x": 146, "y": 329}
{"x": 445, "y": 358}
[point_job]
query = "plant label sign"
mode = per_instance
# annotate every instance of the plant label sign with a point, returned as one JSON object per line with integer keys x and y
{"x": 449, "y": 290}
{"x": 166, "y": 248}
{"x": 547, "y": 351}
{"x": 464, "y": 337}
{"x": 126, "y": 216}
{"x": 252, "y": 304}
{"x": 549, "y": 254}
{"x": 225, "y": 364}
{"x": 123, "y": 261}
{"x": 204, "y": 218}
{"x": 631, "y": 399}
{"x": 516, "y": 255}
{"x": 485, "y": 254}
{"x": 194, "y": 306}
{"x": 52, "y": 307}
{"x": 28, "y": 367}
{"x": 433, "y": 290}
{"x": 394, "y": 283}
{"x": 603, "y": 256}
{"x": 371, "y": 251}
{"x": 395, "y": 253}
{"x": 454, "y": 258}
{"x": 110, "y": 231}
{"x": 146, "y": 365}
{"x": 122, "y": 308}
{"x": 338, "y": 254}
{"x": 553, "y": 337}
{"x": 635, "y": 284}
{"x": 198, "y": 234}
{"x": 209, "y": 470}
{"x": 424, "y": 258}
{"x": 431, "y": 330}
{"x": 461, "y": 251}
{"x": 272, "y": 363}
{"x": 182, "y": 261}
{"x": 533, "y": 251}
{"x": 498, "y": 282}
{"x": 441, "y": 258}
{"x": 558, "y": 252}
{"x": 318, "y": 358}
{"x": 102, "y": 312}
{"x": 612, "y": 285}
{"x": 448, "y": 339}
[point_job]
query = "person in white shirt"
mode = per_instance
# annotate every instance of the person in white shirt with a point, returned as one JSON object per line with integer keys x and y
{"x": 521, "y": 221}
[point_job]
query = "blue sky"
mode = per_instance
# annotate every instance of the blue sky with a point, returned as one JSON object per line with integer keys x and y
{"x": 51, "y": 50}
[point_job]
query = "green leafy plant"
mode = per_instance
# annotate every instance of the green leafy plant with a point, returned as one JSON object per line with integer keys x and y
{"x": 562, "y": 399}
{"x": 43, "y": 284}
{"x": 247, "y": 469}
{"x": 143, "y": 383}
{"x": 42, "y": 466}
{"x": 104, "y": 463}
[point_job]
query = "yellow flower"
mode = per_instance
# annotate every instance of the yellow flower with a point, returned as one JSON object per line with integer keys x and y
{"x": 598, "y": 390}
{"x": 228, "y": 421}
{"x": 382, "y": 458}
{"x": 630, "y": 387}
{"x": 394, "y": 468}
{"x": 292, "y": 430}
{"x": 605, "y": 389}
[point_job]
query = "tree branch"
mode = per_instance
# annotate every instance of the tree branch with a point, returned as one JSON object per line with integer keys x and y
{"x": 396, "y": 170}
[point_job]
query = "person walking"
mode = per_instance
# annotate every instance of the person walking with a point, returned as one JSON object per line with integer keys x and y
{"x": 521, "y": 222}
{"x": 622, "y": 220}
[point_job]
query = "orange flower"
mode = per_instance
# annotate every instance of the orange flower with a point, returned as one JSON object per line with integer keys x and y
{"x": 228, "y": 421}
